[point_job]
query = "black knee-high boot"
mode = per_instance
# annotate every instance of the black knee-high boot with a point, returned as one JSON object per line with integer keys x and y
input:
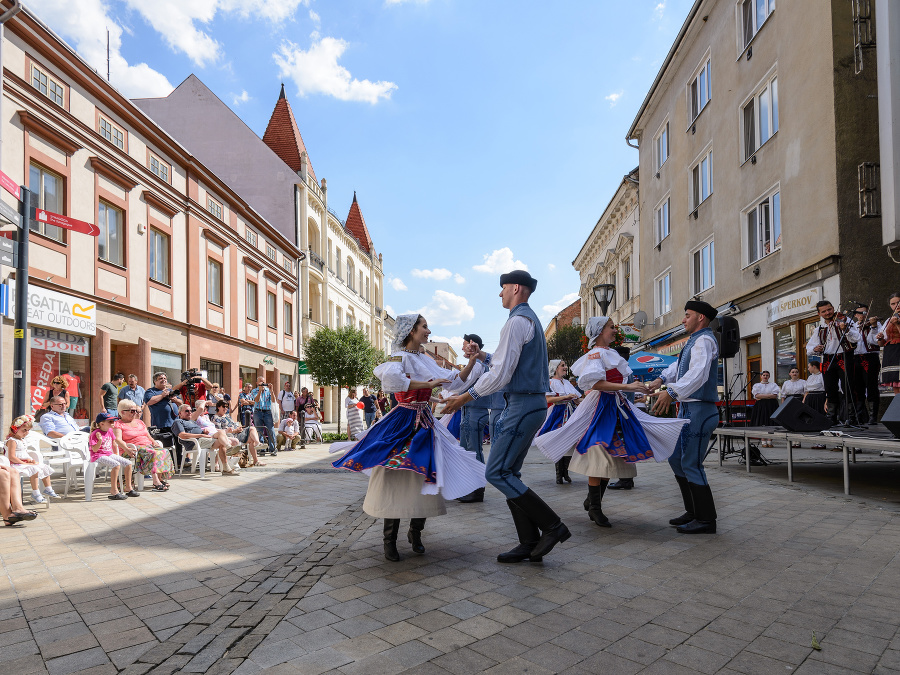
{"x": 704, "y": 512}
{"x": 391, "y": 527}
{"x": 528, "y": 534}
{"x": 414, "y": 536}
{"x": 595, "y": 495}
{"x": 688, "y": 500}
{"x": 559, "y": 471}
{"x": 553, "y": 530}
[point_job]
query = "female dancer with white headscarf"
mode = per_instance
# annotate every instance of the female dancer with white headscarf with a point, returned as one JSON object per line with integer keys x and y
{"x": 413, "y": 463}
{"x": 608, "y": 433}
{"x": 561, "y": 399}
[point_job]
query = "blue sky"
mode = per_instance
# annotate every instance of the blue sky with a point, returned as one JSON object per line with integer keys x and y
{"x": 477, "y": 135}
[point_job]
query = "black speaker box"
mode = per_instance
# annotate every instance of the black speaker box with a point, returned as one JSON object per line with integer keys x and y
{"x": 794, "y": 415}
{"x": 728, "y": 335}
{"x": 891, "y": 417}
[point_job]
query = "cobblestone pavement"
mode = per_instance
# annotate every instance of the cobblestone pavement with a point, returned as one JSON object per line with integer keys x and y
{"x": 278, "y": 570}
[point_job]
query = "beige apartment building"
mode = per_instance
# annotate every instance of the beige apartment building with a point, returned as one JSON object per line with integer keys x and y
{"x": 759, "y": 179}
{"x": 610, "y": 255}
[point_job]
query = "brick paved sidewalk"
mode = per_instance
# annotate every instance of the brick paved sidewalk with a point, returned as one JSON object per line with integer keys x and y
{"x": 278, "y": 571}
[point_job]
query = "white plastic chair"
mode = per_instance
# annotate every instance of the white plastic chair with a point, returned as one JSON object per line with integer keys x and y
{"x": 90, "y": 475}
{"x": 75, "y": 448}
{"x": 198, "y": 456}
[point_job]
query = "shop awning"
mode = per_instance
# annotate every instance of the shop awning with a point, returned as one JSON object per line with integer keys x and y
{"x": 301, "y": 368}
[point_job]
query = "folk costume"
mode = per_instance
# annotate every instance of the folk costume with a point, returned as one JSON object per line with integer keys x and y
{"x": 607, "y": 434}
{"x": 867, "y": 368}
{"x": 793, "y": 389}
{"x": 475, "y": 417}
{"x": 557, "y": 415}
{"x": 518, "y": 367}
{"x": 837, "y": 346}
{"x": 890, "y": 360}
{"x": 691, "y": 382}
{"x": 814, "y": 391}
{"x": 761, "y": 415}
{"x": 413, "y": 463}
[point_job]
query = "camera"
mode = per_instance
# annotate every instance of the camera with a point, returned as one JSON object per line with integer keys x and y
{"x": 190, "y": 378}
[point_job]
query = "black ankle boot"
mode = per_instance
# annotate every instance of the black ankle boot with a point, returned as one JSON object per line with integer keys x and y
{"x": 595, "y": 497}
{"x": 688, "y": 500}
{"x": 559, "y": 472}
{"x": 553, "y": 530}
{"x": 704, "y": 512}
{"x": 475, "y": 496}
{"x": 391, "y": 527}
{"x": 622, "y": 484}
{"x": 529, "y": 534}
{"x": 565, "y": 468}
{"x": 414, "y": 536}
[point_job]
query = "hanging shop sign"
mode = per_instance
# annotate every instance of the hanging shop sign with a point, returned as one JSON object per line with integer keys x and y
{"x": 58, "y": 341}
{"x": 56, "y": 310}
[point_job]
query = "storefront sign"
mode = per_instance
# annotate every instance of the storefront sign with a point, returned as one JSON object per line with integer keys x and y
{"x": 803, "y": 302}
{"x": 673, "y": 348}
{"x": 57, "y": 341}
{"x": 56, "y": 310}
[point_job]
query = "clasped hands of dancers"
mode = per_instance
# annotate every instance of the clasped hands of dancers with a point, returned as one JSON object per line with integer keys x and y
{"x": 414, "y": 463}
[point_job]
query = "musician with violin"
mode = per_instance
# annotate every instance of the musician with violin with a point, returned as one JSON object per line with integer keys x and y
{"x": 889, "y": 339}
{"x": 834, "y": 342}
{"x": 867, "y": 364}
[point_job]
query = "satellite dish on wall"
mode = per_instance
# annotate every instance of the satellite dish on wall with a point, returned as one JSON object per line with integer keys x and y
{"x": 640, "y": 319}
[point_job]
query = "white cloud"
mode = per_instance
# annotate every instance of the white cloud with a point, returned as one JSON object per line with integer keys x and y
{"x": 500, "y": 261}
{"x": 243, "y": 98}
{"x": 438, "y": 274}
{"x": 390, "y": 310}
{"x": 559, "y": 305}
{"x": 659, "y": 10}
{"x": 614, "y": 98}
{"x": 455, "y": 341}
{"x": 314, "y": 17}
{"x": 459, "y": 278}
{"x": 551, "y": 266}
{"x": 397, "y": 284}
{"x": 403, "y": 2}
{"x": 177, "y": 21}
{"x": 447, "y": 309}
{"x": 317, "y": 71}
{"x": 85, "y": 26}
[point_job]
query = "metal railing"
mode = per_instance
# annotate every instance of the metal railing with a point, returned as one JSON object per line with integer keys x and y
{"x": 316, "y": 260}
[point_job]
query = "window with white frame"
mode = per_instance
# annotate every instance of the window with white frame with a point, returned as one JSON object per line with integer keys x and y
{"x": 350, "y": 273}
{"x": 214, "y": 281}
{"x": 753, "y": 14}
{"x": 111, "y": 240}
{"x": 661, "y": 147}
{"x": 759, "y": 117}
{"x": 288, "y": 319}
{"x": 112, "y": 133}
{"x": 337, "y": 262}
{"x": 48, "y": 187}
{"x": 701, "y": 180}
{"x": 626, "y": 279}
{"x": 251, "y": 237}
{"x": 703, "y": 265}
{"x": 159, "y": 256}
{"x": 763, "y": 226}
{"x": 338, "y": 317}
{"x": 47, "y": 85}
{"x": 288, "y": 265}
{"x": 159, "y": 168}
{"x": 271, "y": 311}
{"x": 663, "y": 294}
{"x": 252, "y": 300}
{"x": 214, "y": 207}
{"x": 701, "y": 89}
{"x": 271, "y": 253}
{"x": 661, "y": 218}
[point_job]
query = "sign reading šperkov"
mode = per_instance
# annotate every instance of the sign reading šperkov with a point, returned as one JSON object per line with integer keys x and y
{"x": 56, "y": 310}
{"x": 802, "y": 302}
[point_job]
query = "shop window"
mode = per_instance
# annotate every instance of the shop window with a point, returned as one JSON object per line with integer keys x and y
{"x": 248, "y": 376}
{"x": 47, "y": 362}
{"x": 252, "y": 301}
{"x": 166, "y": 362}
{"x": 111, "y": 240}
{"x": 159, "y": 256}
{"x": 48, "y": 187}
{"x": 754, "y": 361}
{"x": 214, "y": 281}
{"x": 271, "y": 312}
{"x": 785, "y": 352}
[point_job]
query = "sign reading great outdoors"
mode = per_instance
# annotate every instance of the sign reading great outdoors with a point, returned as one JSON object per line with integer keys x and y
{"x": 56, "y": 310}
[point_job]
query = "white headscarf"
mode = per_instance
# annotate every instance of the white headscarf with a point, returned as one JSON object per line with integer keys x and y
{"x": 554, "y": 364}
{"x": 403, "y": 327}
{"x": 594, "y": 327}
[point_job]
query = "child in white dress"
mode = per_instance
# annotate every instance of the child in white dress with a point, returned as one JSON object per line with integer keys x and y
{"x": 26, "y": 466}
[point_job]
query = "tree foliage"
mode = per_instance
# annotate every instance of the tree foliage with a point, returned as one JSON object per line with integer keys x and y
{"x": 341, "y": 357}
{"x": 565, "y": 344}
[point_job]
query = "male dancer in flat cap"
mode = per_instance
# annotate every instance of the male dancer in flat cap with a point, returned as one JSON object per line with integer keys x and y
{"x": 474, "y": 417}
{"x": 519, "y": 366}
{"x": 692, "y": 382}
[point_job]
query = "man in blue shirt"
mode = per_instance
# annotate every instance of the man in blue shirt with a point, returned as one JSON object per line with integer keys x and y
{"x": 132, "y": 391}
{"x": 56, "y": 423}
{"x": 262, "y": 413}
{"x": 163, "y": 401}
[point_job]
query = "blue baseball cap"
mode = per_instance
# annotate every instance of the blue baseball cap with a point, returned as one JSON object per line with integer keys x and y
{"x": 105, "y": 417}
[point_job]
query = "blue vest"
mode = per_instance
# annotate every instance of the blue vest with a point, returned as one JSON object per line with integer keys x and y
{"x": 708, "y": 390}
{"x": 531, "y": 375}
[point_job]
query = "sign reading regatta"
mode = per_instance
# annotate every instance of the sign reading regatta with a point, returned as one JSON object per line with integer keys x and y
{"x": 57, "y": 341}
{"x": 56, "y": 310}
{"x": 802, "y": 302}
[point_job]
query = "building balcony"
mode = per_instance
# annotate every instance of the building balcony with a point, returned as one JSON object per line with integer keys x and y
{"x": 317, "y": 261}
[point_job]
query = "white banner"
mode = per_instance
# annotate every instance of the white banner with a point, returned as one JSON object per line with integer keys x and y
{"x": 56, "y": 310}
{"x": 57, "y": 341}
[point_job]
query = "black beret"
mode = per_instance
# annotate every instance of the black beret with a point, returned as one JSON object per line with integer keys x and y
{"x": 703, "y": 308}
{"x": 520, "y": 277}
{"x": 471, "y": 337}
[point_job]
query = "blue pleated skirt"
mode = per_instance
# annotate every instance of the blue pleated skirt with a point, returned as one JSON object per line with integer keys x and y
{"x": 617, "y": 431}
{"x": 558, "y": 415}
{"x": 455, "y": 422}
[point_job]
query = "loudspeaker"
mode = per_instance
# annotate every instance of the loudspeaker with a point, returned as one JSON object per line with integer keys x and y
{"x": 728, "y": 335}
{"x": 794, "y": 415}
{"x": 891, "y": 417}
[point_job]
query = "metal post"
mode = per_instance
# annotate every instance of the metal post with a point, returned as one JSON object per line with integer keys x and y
{"x": 20, "y": 341}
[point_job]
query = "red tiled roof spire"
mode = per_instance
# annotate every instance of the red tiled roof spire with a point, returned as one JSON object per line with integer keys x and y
{"x": 356, "y": 226}
{"x": 283, "y": 136}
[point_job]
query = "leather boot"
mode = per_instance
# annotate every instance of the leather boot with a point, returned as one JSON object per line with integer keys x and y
{"x": 553, "y": 530}
{"x": 622, "y": 484}
{"x": 565, "y": 468}
{"x": 414, "y": 536}
{"x": 704, "y": 512}
{"x": 391, "y": 527}
{"x": 688, "y": 499}
{"x": 475, "y": 496}
{"x": 559, "y": 472}
{"x": 595, "y": 495}
{"x": 528, "y": 537}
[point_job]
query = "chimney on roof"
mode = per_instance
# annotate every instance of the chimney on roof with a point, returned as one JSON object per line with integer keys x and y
{"x": 281, "y": 95}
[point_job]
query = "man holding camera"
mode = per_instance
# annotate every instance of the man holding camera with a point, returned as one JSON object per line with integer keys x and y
{"x": 262, "y": 413}
{"x": 162, "y": 400}
{"x": 194, "y": 387}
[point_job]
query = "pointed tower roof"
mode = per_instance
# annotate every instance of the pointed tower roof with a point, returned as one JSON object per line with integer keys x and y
{"x": 283, "y": 136}
{"x": 356, "y": 226}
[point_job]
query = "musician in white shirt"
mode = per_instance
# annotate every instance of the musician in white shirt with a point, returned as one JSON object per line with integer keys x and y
{"x": 867, "y": 365}
{"x": 831, "y": 341}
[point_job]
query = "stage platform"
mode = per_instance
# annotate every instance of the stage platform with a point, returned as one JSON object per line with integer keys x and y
{"x": 737, "y": 441}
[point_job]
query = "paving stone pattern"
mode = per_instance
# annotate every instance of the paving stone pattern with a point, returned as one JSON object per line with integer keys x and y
{"x": 239, "y": 576}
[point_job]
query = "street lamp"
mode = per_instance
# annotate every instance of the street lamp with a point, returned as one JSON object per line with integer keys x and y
{"x": 604, "y": 294}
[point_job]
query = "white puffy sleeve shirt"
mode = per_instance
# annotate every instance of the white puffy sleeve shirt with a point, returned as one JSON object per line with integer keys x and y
{"x": 395, "y": 375}
{"x": 591, "y": 368}
{"x": 562, "y": 388}
{"x": 515, "y": 333}
{"x": 790, "y": 388}
{"x": 760, "y": 389}
{"x": 815, "y": 383}
{"x": 704, "y": 352}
